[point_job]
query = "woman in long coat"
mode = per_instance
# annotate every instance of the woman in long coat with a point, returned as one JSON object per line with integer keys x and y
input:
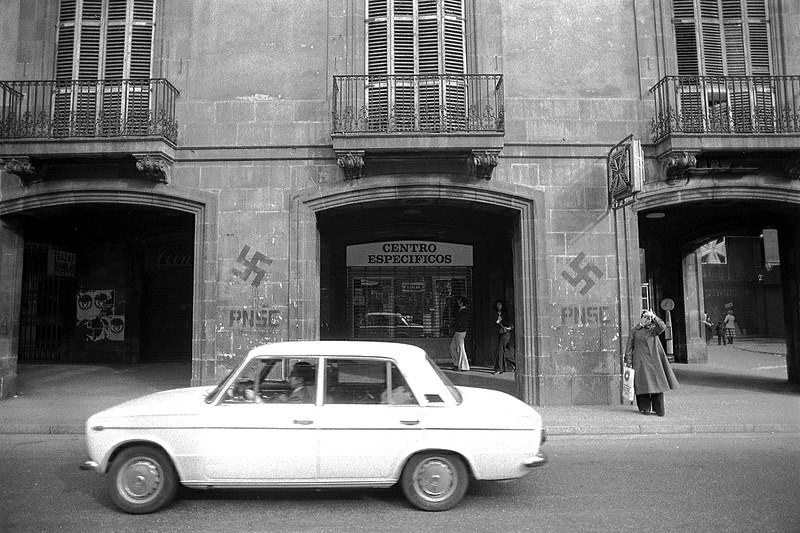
{"x": 653, "y": 374}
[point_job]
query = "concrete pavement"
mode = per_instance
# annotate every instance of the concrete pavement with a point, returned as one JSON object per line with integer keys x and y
{"x": 743, "y": 388}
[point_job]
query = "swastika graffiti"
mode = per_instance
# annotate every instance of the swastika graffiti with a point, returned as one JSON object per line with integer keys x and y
{"x": 251, "y": 266}
{"x": 581, "y": 273}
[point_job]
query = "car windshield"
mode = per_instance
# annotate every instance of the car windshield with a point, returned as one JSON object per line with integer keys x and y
{"x": 452, "y": 388}
{"x": 210, "y": 396}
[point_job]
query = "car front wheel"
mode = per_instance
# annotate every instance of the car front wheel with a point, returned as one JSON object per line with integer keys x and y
{"x": 435, "y": 481}
{"x": 142, "y": 480}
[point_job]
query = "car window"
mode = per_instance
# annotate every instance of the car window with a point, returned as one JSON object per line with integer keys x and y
{"x": 274, "y": 380}
{"x": 366, "y": 381}
{"x": 452, "y": 388}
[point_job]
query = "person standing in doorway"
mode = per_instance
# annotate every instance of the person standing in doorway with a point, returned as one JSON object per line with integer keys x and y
{"x": 708, "y": 326}
{"x": 730, "y": 326}
{"x": 457, "y": 350}
{"x": 720, "y": 333}
{"x": 653, "y": 374}
{"x": 503, "y": 355}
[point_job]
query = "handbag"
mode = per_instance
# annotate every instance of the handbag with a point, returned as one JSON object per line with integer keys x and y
{"x": 628, "y": 392}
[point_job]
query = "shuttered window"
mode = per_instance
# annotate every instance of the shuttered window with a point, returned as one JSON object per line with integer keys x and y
{"x": 416, "y": 61}
{"x": 721, "y": 37}
{"x": 728, "y": 39}
{"x": 109, "y": 40}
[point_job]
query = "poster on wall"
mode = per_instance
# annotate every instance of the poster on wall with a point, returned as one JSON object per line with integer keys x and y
{"x": 96, "y": 316}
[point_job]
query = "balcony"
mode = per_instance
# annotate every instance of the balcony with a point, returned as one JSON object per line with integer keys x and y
{"x": 439, "y": 116}
{"x": 726, "y": 114}
{"x": 61, "y": 119}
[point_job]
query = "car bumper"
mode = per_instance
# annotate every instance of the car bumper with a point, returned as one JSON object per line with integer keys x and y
{"x": 89, "y": 465}
{"x": 537, "y": 460}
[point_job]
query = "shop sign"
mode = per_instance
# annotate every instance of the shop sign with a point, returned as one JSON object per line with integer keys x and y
{"x": 60, "y": 264}
{"x": 409, "y": 254}
{"x": 413, "y": 286}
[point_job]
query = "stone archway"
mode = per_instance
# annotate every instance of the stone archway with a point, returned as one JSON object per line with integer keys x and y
{"x": 201, "y": 207}
{"x": 758, "y": 202}
{"x": 525, "y": 203}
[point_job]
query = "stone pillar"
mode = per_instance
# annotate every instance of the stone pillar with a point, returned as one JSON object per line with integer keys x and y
{"x": 789, "y": 238}
{"x": 11, "y": 249}
{"x": 693, "y": 305}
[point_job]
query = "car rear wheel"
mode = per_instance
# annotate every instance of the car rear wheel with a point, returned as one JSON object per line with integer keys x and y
{"x": 142, "y": 480}
{"x": 435, "y": 481}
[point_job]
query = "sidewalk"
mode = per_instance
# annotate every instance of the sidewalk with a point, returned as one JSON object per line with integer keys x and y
{"x": 742, "y": 389}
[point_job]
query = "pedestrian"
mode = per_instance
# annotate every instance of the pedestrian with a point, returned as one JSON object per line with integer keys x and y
{"x": 503, "y": 354}
{"x": 708, "y": 326}
{"x": 720, "y": 332}
{"x": 457, "y": 350}
{"x": 653, "y": 375}
{"x": 730, "y": 326}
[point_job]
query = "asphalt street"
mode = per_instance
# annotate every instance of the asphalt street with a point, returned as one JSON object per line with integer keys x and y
{"x": 636, "y": 483}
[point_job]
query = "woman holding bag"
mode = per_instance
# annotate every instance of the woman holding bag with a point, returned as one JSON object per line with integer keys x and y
{"x": 653, "y": 374}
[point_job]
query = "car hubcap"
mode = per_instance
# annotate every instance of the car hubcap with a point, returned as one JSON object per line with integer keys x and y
{"x": 435, "y": 479}
{"x": 139, "y": 480}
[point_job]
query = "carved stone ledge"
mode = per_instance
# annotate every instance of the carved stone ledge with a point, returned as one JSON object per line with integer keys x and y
{"x": 153, "y": 167}
{"x": 352, "y": 163}
{"x": 678, "y": 166}
{"x": 22, "y": 167}
{"x": 483, "y": 163}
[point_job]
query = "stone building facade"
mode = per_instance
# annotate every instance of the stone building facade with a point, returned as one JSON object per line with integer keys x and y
{"x": 185, "y": 180}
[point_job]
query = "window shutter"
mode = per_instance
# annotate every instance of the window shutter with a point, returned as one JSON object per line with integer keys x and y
{"x": 141, "y": 39}
{"x": 377, "y": 64}
{"x": 65, "y": 42}
{"x": 686, "y": 48}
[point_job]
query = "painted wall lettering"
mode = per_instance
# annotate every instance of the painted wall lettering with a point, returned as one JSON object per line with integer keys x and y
{"x": 585, "y": 316}
{"x": 252, "y": 318}
{"x": 251, "y": 266}
{"x": 582, "y": 273}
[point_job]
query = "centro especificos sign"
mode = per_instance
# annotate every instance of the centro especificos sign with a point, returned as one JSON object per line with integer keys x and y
{"x": 409, "y": 253}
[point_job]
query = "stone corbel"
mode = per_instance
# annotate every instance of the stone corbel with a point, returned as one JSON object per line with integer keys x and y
{"x": 483, "y": 163}
{"x": 678, "y": 166}
{"x": 22, "y": 167}
{"x": 153, "y": 167}
{"x": 352, "y": 163}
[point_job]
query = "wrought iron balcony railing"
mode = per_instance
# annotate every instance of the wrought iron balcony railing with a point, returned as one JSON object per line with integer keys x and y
{"x": 418, "y": 104}
{"x": 719, "y": 105}
{"x": 58, "y": 109}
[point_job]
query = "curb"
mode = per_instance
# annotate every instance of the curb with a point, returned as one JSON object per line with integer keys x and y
{"x": 678, "y": 429}
{"x": 552, "y": 431}
{"x": 40, "y": 429}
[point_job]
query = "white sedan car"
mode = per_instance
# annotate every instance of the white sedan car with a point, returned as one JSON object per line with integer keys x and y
{"x": 317, "y": 415}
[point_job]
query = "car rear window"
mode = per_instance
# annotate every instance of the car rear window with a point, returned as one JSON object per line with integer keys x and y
{"x": 452, "y": 388}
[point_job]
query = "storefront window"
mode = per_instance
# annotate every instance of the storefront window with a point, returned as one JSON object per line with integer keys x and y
{"x": 406, "y": 289}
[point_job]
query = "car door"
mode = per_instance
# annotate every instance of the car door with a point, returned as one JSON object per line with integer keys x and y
{"x": 256, "y": 436}
{"x": 367, "y": 424}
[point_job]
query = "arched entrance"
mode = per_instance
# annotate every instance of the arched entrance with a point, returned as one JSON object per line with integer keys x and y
{"x": 100, "y": 275}
{"x": 494, "y": 220}
{"x": 714, "y": 249}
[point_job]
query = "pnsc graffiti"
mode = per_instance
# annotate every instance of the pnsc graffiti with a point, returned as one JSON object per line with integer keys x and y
{"x": 586, "y": 316}
{"x": 243, "y": 318}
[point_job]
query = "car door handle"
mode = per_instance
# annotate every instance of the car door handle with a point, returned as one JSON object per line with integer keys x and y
{"x": 304, "y": 422}
{"x": 409, "y": 422}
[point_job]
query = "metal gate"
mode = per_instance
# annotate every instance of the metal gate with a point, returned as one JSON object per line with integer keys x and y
{"x": 413, "y": 305}
{"x": 48, "y": 289}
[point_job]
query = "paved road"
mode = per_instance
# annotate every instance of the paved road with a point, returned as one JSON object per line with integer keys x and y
{"x": 641, "y": 483}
